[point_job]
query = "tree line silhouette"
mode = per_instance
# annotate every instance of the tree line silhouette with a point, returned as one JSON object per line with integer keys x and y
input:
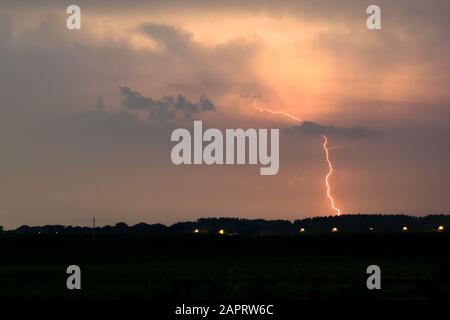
{"x": 359, "y": 223}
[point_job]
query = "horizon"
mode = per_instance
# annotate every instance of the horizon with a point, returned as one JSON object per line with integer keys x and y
{"x": 332, "y": 217}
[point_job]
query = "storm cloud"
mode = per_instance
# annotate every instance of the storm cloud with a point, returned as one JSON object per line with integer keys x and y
{"x": 312, "y": 128}
{"x": 165, "y": 108}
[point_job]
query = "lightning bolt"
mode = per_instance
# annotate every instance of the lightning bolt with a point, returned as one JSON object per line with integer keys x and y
{"x": 330, "y": 172}
{"x": 324, "y": 145}
{"x": 279, "y": 112}
{"x": 262, "y": 109}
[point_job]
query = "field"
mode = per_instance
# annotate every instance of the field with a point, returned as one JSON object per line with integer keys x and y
{"x": 218, "y": 267}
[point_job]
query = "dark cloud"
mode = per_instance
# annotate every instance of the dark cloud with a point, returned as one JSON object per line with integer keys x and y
{"x": 206, "y": 104}
{"x": 312, "y": 128}
{"x": 173, "y": 38}
{"x": 165, "y": 108}
{"x": 74, "y": 65}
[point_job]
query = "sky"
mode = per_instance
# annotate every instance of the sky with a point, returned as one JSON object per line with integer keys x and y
{"x": 86, "y": 115}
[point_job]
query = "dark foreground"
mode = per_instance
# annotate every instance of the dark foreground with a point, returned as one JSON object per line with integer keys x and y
{"x": 218, "y": 267}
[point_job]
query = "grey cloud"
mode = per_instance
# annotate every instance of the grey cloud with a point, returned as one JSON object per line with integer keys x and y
{"x": 71, "y": 66}
{"x": 312, "y": 128}
{"x": 212, "y": 68}
{"x": 206, "y": 104}
{"x": 165, "y": 108}
{"x": 172, "y": 37}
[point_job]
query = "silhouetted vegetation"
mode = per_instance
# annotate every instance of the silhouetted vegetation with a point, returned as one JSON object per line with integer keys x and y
{"x": 236, "y": 226}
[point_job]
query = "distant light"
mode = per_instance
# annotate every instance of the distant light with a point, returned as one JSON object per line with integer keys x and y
{"x": 196, "y": 231}
{"x": 441, "y": 229}
{"x": 221, "y": 231}
{"x": 371, "y": 229}
{"x": 334, "y": 229}
{"x": 405, "y": 229}
{"x": 302, "y": 230}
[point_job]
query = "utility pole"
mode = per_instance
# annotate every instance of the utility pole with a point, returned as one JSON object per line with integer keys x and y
{"x": 93, "y": 232}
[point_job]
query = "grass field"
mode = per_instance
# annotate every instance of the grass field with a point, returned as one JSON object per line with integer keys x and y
{"x": 206, "y": 267}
